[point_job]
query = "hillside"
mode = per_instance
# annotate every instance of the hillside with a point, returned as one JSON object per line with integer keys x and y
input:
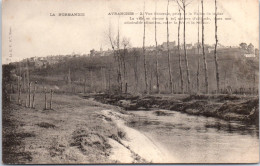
{"x": 98, "y": 73}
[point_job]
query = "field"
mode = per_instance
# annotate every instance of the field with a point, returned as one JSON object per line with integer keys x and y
{"x": 74, "y": 131}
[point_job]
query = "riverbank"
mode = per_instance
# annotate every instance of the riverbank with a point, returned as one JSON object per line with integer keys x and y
{"x": 226, "y": 107}
{"x": 75, "y": 131}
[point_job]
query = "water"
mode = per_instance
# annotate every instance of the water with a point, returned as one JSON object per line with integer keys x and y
{"x": 197, "y": 139}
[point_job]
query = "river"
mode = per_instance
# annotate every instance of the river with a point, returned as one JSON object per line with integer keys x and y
{"x": 197, "y": 139}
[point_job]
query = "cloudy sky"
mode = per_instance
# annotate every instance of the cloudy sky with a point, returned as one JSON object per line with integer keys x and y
{"x": 36, "y": 33}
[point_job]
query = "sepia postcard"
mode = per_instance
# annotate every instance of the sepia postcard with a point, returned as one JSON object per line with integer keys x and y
{"x": 130, "y": 81}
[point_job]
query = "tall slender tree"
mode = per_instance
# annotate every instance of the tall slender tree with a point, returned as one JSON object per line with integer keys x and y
{"x": 156, "y": 50}
{"x": 136, "y": 60}
{"x": 145, "y": 67}
{"x": 19, "y": 83}
{"x": 216, "y": 44}
{"x": 183, "y": 4}
{"x": 69, "y": 81}
{"x": 119, "y": 59}
{"x": 198, "y": 46}
{"x": 179, "y": 52}
{"x": 168, "y": 49}
{"x": 203, "y": 51}
{"x": 126, "y": 44}
{"x": 112, "y": 43}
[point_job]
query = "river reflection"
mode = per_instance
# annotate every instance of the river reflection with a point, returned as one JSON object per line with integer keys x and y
{"x": 197, "y": 139}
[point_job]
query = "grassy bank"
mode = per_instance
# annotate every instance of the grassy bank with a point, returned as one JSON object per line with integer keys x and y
{"x": 74, "y": 131}
{"x": 227, "y": 107}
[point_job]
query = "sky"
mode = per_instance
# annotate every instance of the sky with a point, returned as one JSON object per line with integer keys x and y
{"x": 34, "y": 33}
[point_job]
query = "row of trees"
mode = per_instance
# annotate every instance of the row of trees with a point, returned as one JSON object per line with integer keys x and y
{"x": 120, "y": 57}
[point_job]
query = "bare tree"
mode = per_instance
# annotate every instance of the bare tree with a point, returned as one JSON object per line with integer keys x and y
{"x": 119, "y": 59}
{"x": 151, "y": 80}
{"x": 198, "y": 46}
{"x": 28, "y": 72}
{"x": 198, "y": 76}
{"x": 19, "y": 84}
{"x": 156, "y": 50}
{"x": 85, "y": 83}
{"x": 179, "y": 52}
{"x": 203, "y": 51}
{"x": 145, "y": 68}
{"x": 168, "y": 49}
{"x": 45, "y": 98}
{"x": 136, "y": 59}
{"x": 51, "y": 99}
{"x": 28, "y": 83}
{"x": 29, "y": 92}
{"x": 24, "y": 81}
{"x": 183, "y": 4}
{"x": 216, "y": 44}
{"x": 69, "y": 80}
{"x": 115, "y": 42}
{"x": 126, "y": 44}
{"x": 33, "y": 97}
{"x": 109, "y": 75}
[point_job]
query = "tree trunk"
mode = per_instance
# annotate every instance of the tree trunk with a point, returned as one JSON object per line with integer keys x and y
{"x": 145, "y": 69}
{"x": 33, "y": 99}
{"x": 125, "y": 73}
{"x": 179, "y": 52}
{"x": 29, "y": 92}
{"x": 24, "y": 82}
{"x": 85, "y": 82}
{"x": 151, "y": 81}
{"x": 115, "y": 56}
{"x": 91, "y": 81}
{"x": 215, "y": 51}
{"x": 51, "y": 99}
{"x": 119, "y": 60}
{"x": 168, "y": 50}
{"x": 18, "y": 90}
{"x": 28, "y": 81}
{"x": 27, "y": 72}
{"x": 185, "y": 51}
{"x": 198, "y": 70}
{"x": 156, "y": 49}
{"x": 109, "y": 86}
{"x": 45, "y": 99}
{"x": 69, "y": 81}
{"x": 26, "y": 94}
{"x": 203, "y": 52}
{"x": 136, "y": 71}
{"x": 198, "y": 76}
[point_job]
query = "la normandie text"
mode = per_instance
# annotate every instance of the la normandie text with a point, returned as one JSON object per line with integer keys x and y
{"x": 67, "y": 14}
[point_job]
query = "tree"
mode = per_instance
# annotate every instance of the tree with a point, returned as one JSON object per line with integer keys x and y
{"x": 119, "y": 59}
{"x": 168, "y": 50}
{"x": 180, "y": 68}
{"x": 243, "y": 46}
{"x": 145, "y": 68}
{"x": 251, "y": 48}
{"x": 203, "y": 51}
{"x": 126, "y": 44}
{"x": 198, "y": 46}
{"x": 156, "y": 52}
{"x": 215, "y": 51}
{"x": 113, "y": 44}
{"x": 136, "y": 59}
{"x": 183, "y": 4}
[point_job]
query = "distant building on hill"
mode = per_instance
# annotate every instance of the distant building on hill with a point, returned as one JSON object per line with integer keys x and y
{"x": 249, "y": 55}
{"x": 172, "y": 45}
